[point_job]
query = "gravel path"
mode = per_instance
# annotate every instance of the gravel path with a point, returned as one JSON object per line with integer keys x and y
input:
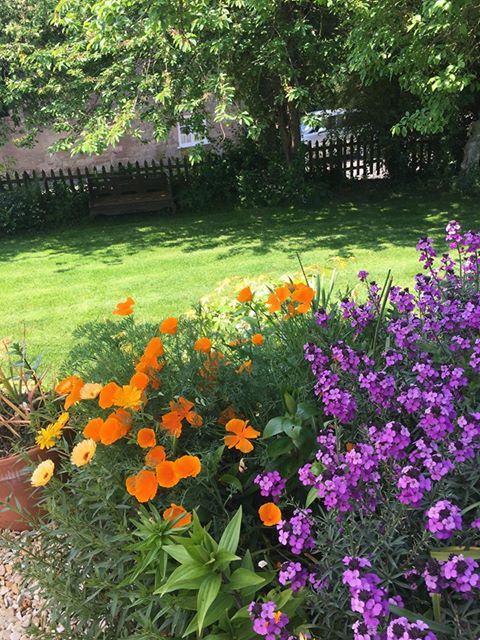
{"x": 19, "y": 605}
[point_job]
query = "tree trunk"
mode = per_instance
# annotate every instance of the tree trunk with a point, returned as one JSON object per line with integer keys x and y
{"x": 471, "y": 150}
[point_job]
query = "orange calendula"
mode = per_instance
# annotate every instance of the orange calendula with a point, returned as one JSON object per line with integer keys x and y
{"x": 188, "y": 466}
{"x": 174, "y": 513}
{"x": 243, "y": 434}
{"x": 93, "y": 429}
{"x": 146, "y": 438}
{"x": 128, "y": 397}
{"x": 270, "y": 514}
{"x": 169, "y": 326}
{"x": 257, "y": 339}
{"x": 167, "y": 476}
{"x": 90, "y": 391}
{"x": 245, "y": 295}
{"x": 155, "y": 456}
{"x": 124, "y": 308}
{"x": 203, "y": 344}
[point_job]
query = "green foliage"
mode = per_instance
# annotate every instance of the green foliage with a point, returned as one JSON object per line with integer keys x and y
{"x": 28, "y": 208}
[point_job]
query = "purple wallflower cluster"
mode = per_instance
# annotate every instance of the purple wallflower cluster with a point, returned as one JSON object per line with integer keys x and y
{"x": 298, "y": 576}
{"x": 296, "y": 533}
{"x": 443, "y": 519}
{"x": 402, "y": 629}
{"x": 410, "y": 402}
{"x": 268, "y": 622}
{"x": 458, "y": 573}
{"x": 271, "y": 484}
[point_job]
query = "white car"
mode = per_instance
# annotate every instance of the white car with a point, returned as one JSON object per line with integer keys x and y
{"x": 321, "y": 124}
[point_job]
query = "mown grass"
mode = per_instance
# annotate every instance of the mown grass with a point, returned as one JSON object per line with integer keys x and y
{"x": 52, "y": 281}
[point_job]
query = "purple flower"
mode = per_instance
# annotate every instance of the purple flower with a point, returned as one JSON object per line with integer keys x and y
{"x": 267, "y": 622}
{"x": 296, "y": 533}
{"x": 295, "y": 574}
{"x": 444, "y": 518}
{"x": 271, "y": 484}
{"x": 412, "y": 485}
{"x": 362, "y": 275}
{"x": 402, "y": 629}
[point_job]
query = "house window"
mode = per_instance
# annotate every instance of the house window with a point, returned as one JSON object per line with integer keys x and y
{"x": 191, "y": 139}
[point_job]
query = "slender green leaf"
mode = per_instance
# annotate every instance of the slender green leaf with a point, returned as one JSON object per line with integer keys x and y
{"x": 311, "y": 496}
{"x": 242, "y": 578}
{"x": 274, "y": 427}
{"x": 206, "y": 596}
{"x": 231, "y": 535}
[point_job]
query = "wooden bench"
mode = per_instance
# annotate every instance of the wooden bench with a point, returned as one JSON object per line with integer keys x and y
{"x": 113, "y": 195}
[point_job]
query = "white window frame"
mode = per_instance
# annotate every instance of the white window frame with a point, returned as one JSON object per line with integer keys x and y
{"x": 186, "y": 140}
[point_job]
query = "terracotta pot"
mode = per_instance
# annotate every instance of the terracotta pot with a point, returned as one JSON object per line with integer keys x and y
{"x": 15, "y": 486}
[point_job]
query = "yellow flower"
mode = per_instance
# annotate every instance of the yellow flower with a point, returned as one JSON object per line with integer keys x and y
{"x": 43, "y": 473}
{"x": 83, "y": 452}
{"x": 57, "y": 427}
{"x": 90, "y": 391}
{"x": 46, "y": 437}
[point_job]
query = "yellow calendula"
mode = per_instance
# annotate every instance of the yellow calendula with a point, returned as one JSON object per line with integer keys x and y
{"x": 83, "y": 452}
{"x": 43, "y": 473}
{"x": 47, "y": 437}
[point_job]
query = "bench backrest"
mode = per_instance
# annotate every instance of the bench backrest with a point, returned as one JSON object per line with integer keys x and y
{"x": 126, "y": 184}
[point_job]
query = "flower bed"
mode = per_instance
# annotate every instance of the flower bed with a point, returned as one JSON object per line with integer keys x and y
{"x": 282, "y": 466}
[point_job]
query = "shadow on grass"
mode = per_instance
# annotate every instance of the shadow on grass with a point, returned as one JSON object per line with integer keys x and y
{"x": 362, "y": 216}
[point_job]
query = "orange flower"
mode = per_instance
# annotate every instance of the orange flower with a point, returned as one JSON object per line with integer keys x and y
{"x": 203, "y": 344}
{"x": 128, "y": 397}
{"x": 154, "y": 348}
{"x": 93, "y": 428}
{"x": 226, "y": 415}
{"x": 146, "y": 438}
{"x": 143, "y": 486}
{"x": 155, "y": 456}
{"x": 66, "y": 385}
{"x": 188, "y": 466}
{"x": 74, "y": 395}
{"x": 277, "y": 298}
{"x": 124, "y": 308}
{"x": 172, "y": 422}
{"x": 270, "y": 514}
{"x": 170, "y": 326}
{"x": 167, "y": 474}
{"x": 125, "y": 419}
{"x": 246, "y": 366}
{"x": 174, "y": 512}
{"x": 90, "y": 391}
{"x": 194, "y": 419}
{"x": 304, "y": 295}
{"x": 139, "y": 380}
{"x": 182, "y": 406}
{"x": 115, "y": 427}
{"x": 105, "y": 400}
{"x": 243, "y": 434}
{"x": 349, "y": 446}
{"x": 257, "y": 339}
{"x": 245, "y": 295}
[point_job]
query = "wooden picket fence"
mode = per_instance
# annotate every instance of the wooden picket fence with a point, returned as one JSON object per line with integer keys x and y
{"x": 354, "y": 157}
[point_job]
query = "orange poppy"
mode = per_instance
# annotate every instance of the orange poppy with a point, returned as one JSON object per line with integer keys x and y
{"x": 143, "y": 486}
{"x": 182, "y": 406}
{"x": 124, "y": 308}
{"x": 90, "y": 391}
{"x": 167, "y": 474}
{"x": 139, "y": 380}
{"x": 226, "y": 415}
{"x": 303, "y": 295}
{"x": 245, "y": 295}
{"x": 155, "y": 456}
{"x": 128, "y": 397}
{"x": 105, "y": 399}
{"x": 174, "y": 512}
{"x": 93, "y": 428}
{"x": 154, "y": 348}
{"x": 243, "y": 434}
{"x": 146, "y": 438}
{"x": 203, "y": 344}
{"x": 115, "y": 427}
{"x": 257, "y": 339}
{"x": 125, "y": 419}
{"x": 172, "y": 422}
{"x": 194, "y": 419}
{"x": 270, "y": 514}
{"x": 74, "y": 395}
{"x": 188, "y": 466}
{"x": 170, "y": 326}
{"x": 66, "y": 385}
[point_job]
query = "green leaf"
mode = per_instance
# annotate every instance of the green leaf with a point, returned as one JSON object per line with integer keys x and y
{"x": 223, "y": 558}
{"x": 186, "y": 576}
{"x": 311, "y": 496}
{"x": 307, "y": 410}
{"x": 274, "y": 427}
{"x": 227, "y": 478}
{"x": 231, "y": 535}
{"x": 242, "y": 578}
{"x": 178, "y": 553}
{"x": 219, "y": 608}
{"x": 279, "y": 447}
{"x": 247, "y": 562}
{"x": 413, "y": 617}
{"x": 206, "y": 596}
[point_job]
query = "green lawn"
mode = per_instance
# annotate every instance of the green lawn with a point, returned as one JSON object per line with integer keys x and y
{"x": 53, "y": 281}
